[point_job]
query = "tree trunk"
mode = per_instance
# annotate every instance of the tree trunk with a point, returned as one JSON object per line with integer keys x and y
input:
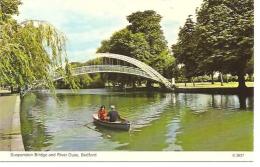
{"x": 149, "y": 84}
{"x": 19, "y": 90}
{"x": 139, "y": 83}
{"x": 227, "y": 78}
{"x": 221, "y": 78}
{"x": 134, "y": 86}
{"x": 241, "y": 81}
{"x": 251, "y": 78}
{"x": 212, "y": 78}
{"x": 12, "y": 89}
{"x": 121, "y": 84}
{"x": 192, "y": 80}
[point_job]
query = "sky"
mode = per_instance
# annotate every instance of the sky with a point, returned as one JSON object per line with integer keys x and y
{"x": 87, "y": 22}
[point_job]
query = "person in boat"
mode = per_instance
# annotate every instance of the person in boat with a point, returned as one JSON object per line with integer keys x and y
{"x": 113, "y": 114}
{"x": 102, "y": 113}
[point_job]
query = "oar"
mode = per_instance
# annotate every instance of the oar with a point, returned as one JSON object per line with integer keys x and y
{"x": 122, "y": 116}
{"x": 86, "y": 125}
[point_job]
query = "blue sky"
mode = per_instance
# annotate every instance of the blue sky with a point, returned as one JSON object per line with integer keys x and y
{"x": 87, "y": 22}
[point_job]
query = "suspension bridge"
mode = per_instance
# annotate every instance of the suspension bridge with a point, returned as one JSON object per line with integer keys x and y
{"x": 124, "y": 65}
{"x": 115, "y": 63}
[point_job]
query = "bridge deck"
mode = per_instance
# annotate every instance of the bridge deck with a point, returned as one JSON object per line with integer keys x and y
{"x": 109, "y": 69}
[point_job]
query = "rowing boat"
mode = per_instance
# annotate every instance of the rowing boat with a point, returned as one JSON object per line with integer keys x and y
{"x": 121, "y": 124}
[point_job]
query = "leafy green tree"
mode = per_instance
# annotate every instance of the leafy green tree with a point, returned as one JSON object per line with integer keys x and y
{"x": 148, "y": 23}
{"x": 8, "y": 8}
{"x": 127, "y": 43}
{"x": 30, "y": 52}
{"x": 184, "y": 50}
{"x": 224, "y": 31}
{"x": 142, "y": 39}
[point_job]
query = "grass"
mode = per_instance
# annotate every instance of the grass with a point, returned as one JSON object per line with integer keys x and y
{"x": 197, "y": 85}
{"x": 215, "y": 85}
{"x": 4, "y": 91}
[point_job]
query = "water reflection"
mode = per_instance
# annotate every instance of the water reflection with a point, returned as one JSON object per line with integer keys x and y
{"x": 159, "y": 121}
{"x": 34, "y": 132}
{"x": 245, "y": 101}
{"x": 217, "y": 101}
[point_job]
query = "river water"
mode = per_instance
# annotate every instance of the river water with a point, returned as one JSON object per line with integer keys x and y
{"x": 159, "y": 121}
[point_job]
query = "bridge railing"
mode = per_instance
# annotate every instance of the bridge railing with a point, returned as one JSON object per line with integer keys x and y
{"x": 107, "y": 69}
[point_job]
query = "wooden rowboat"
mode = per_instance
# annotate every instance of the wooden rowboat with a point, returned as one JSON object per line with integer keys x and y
{"x": 121, "y": 124}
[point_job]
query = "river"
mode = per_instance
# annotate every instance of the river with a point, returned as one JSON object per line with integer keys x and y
{"x": 159, "y": 121}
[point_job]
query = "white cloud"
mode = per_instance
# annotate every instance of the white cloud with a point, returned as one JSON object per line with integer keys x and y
{"x": 60, "y": 12}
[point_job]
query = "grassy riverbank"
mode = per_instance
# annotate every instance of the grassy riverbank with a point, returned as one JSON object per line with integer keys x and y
{"x": 200, "y": 87}
{"x": 215, "y": 85}
{"x": 207, "y": 87}
{"x": 3, "y": 91}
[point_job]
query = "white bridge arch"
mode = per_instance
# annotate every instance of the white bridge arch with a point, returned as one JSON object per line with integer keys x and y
{"x": 140, "y": 69}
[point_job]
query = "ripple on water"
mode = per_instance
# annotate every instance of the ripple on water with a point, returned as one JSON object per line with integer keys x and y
{"x": 159, "y": 119}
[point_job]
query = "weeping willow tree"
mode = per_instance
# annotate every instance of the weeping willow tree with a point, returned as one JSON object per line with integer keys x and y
{"x": 31, "y": 52}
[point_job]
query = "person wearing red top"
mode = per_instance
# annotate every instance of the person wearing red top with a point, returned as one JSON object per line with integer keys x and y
{"x": 102, "y": 113}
